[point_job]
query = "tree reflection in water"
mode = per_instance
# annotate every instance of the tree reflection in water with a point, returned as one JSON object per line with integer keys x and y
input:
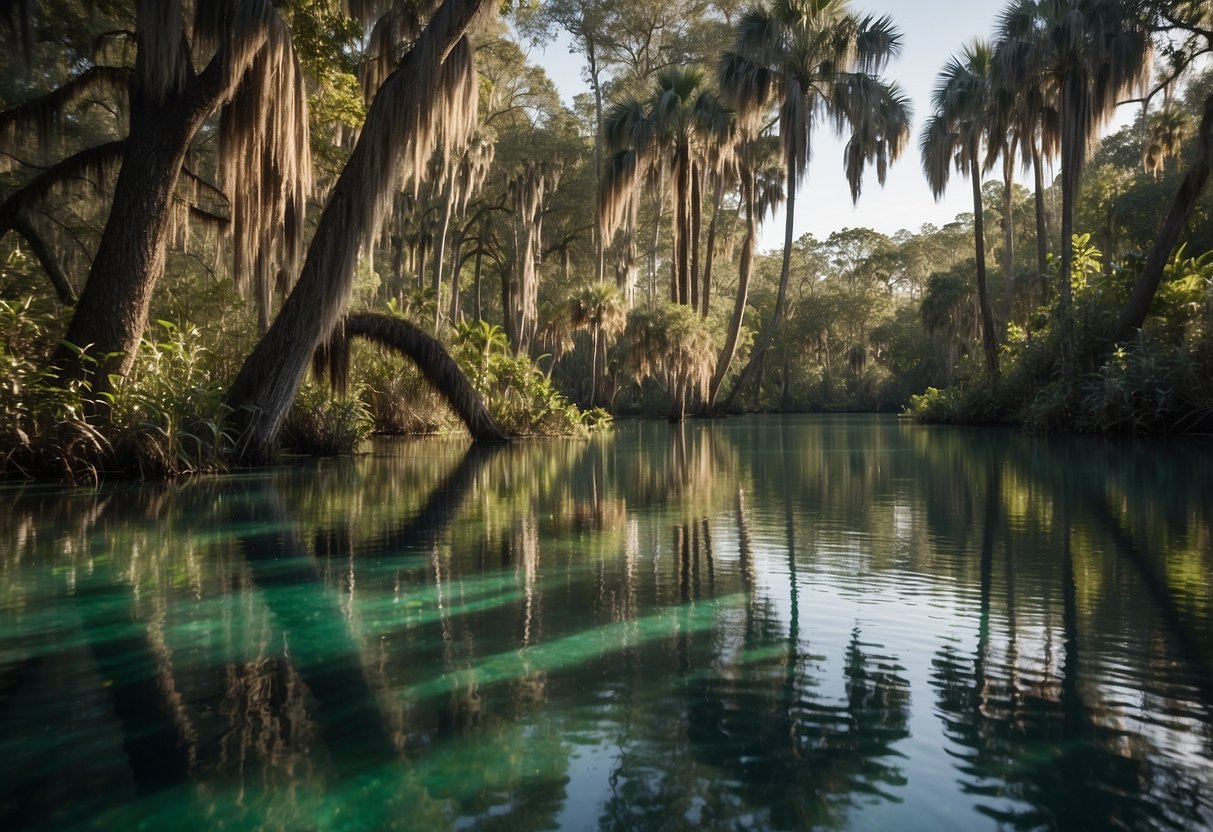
{"x": 763, "y": 623}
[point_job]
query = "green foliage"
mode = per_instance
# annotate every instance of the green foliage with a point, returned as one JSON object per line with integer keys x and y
{"x": 1160, "y": 382}
{"x": 673, "y": 345}
{"x": 44, "y": 430}
{"x": 167, "y": 416}
{"x": 398, "y": 399}
{"x": 518, "y": 395}
{"x": 321, "y": 423}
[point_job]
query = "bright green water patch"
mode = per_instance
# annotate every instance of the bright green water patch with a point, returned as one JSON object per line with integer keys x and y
{"x": 760, "y": 623}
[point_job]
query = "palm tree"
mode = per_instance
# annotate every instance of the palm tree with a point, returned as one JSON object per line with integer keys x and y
{"x": 668, "y": 131}
{"x": 816, "y": 58}
{"x": 600, "y": 309}
{"x": 957, "y": 133}
{"x": 1086, "y": 54}
{"x": 761, "y": 193}
{"x": 1030, "y": 112}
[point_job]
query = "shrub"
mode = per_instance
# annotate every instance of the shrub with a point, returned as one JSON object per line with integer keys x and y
{"x": 323, "y": 424}
{"x": 167, "y": 416}
{"x": 518, "y": 395}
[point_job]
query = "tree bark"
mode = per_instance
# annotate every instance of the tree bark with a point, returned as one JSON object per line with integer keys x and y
{"x": 988, "y": 341}
{"x": 705, "y": 295}
{"x": 768, "y": 332}
{"x": 112, "y": 311}
{"x": 743, "y": 287}
{"x": 696, "y": 227}
{"x": 448, "y": 202}
{"x": 431, "y": 358}
{"x": 1008, "y": 229}
{"x": 1144, "y": 288}
{"x": 1042, "y": 231}
{"x": 266, "y": 385}
{"x": 682, "y": 225}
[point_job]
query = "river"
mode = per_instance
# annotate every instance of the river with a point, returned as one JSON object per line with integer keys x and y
{"x": 765, "y": 623}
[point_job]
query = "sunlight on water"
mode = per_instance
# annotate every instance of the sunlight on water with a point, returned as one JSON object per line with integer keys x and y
{"x": 771, "y": 623}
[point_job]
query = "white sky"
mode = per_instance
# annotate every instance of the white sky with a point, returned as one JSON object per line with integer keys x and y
{"x": 933, "y": 30}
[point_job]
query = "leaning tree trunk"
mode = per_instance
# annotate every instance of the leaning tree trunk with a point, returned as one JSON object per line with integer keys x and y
{"x": 112, "y": 311}
{"x": 743, "y": 288}
{"x": 427, "y": 352}
{"x": 444, "y": 226}
{"x": 1134, "y": 314}
{"x": 988, "y": 342}
{"x": 768, "y": 332}
{"x": 266, "y": 385}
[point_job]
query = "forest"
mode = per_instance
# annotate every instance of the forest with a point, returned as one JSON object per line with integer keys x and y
{"x": 233, "y": 227}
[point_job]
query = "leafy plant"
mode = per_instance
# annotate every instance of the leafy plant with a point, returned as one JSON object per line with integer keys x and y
{"x": 323, "y": 424}
{"x": 518, "y": 395}
{"x": 167, "y": 416}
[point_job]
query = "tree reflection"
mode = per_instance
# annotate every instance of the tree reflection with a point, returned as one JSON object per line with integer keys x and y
{"x": 1052, "y": 753}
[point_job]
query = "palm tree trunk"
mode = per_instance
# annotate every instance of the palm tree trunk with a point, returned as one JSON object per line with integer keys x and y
{"x": 448, "y": 202}
{"x": 1042, "y": 231}
{"x": 768, "y": 332}
{"x": 988, "y": 341}
{"x": 484, "y": 233}
{"x": 682, "y": 225}
{"x": 1135, "y": 311}
{"x": 696, "y": 228}
{"x": 743, "y": 287}
{"x": 267, "y": 383}
{"x": 1008, "y": 229}
{"x": 1072, "y": 148}
{"x": 709, "y": 259}
{"x": 457, "y": 261}
{"x": 658, "y": 206}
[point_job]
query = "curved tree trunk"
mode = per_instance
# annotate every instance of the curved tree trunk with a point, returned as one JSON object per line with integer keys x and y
{"x": 263, "y": 391}
{"x": 1135, "y": 311}
{"x": 768, "y": 331}
{"x": 988, "y": 342}
{"x": 427, "y": 352}
{"x": 743, "y": 287}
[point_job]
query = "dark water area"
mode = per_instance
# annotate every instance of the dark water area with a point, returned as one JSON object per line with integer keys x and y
{"x": 763, "y": 623}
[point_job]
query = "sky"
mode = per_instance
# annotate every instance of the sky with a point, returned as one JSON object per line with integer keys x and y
{"x": 933, "y": 30}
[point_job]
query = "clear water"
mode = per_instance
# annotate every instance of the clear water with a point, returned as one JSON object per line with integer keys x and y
{"x": 768, "y": 623}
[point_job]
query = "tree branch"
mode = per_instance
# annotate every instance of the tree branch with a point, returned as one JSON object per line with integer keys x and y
{"x": 45, "y": 109}
{"x": 34, "y": 191}
{"x": 63, "y": 287}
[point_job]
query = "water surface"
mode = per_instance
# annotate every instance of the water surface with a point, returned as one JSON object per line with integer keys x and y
{"x": 766, "y": 623}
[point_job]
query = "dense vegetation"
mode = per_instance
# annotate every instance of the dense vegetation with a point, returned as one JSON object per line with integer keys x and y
{"x": 203, "y": 200}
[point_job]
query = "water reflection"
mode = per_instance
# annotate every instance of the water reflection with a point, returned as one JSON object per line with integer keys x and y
{"x": 772, "y": 623}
